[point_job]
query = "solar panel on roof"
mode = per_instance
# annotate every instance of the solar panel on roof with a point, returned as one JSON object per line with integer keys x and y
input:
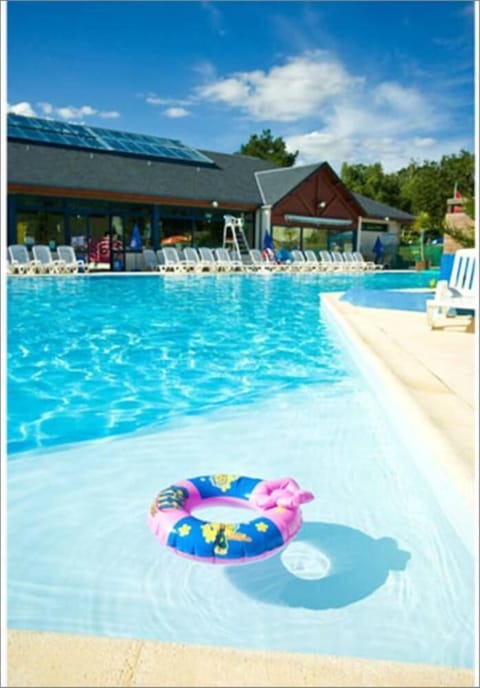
{"x": 80, "y": 136}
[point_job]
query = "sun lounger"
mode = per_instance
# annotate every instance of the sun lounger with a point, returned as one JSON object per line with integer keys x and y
{"x": 20, "y": 261}
{"x": 46, "y": 263}
{"x": 169, "y": 260}
{"x": 298, "y": 263}
{"x": 327, "y": 262}
{"x": 207, "y": 260}
{"x": 259, "y": 263}
{"x": 226, "y": 261}
{"x": 190, "y": 260}
{"x": 460, "y": 292}
{"x": 72, "y": 263}
{"x": 366, "y": 264}
{"x": 150, "y": 261}
{"x": 312, "y": 260}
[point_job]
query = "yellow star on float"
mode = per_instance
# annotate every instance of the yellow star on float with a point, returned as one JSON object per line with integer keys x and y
{"x": 261, "y": 527}
{"x": 184, "y": 530}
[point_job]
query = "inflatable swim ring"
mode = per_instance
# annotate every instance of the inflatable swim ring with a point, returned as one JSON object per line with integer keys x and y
{"x": 278, "y": 519}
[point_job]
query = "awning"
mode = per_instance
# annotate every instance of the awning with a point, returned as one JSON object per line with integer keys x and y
{"x": 317, "y": 221}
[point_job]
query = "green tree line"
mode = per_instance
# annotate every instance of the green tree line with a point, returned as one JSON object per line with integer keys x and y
{"x": 417, "y": 188}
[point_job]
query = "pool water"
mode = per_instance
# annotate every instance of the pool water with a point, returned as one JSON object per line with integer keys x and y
{"x": 92, "y": 358}
{"x": 117, "y": 387}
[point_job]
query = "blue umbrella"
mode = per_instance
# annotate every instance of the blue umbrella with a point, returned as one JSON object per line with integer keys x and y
{"x": 135, "y": 239}
{"x": 378, "y": 247}
{"x": 268, "y": 241}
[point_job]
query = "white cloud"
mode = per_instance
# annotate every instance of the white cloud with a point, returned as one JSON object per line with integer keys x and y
{"x": 22, "y": 108}
{"x": 153, "y": 99}
{"x": 76, "y": 113}
{"x": 71, "y": 112}
{"x": 206, "y": 70}
{"x": 109, "y": 114}
{"x": 215, "y": 17}
{"x": 176, "y": 112}
{"x": 388, "y": 123}
{"x": 46, "y": 108}
{"x": 286, "y": 93}
{"x": 392, "y": 151}
{"x": 426, "y": 142}
{"x": 335, "y": 115}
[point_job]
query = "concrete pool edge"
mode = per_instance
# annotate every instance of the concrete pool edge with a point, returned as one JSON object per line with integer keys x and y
{"x": 417, "y": 391}
{"x": 57, "y": 660}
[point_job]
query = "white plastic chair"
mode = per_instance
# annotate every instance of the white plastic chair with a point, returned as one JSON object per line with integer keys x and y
{"x": 46, "y": 263}
{"x": 226, "y": 261}
{"x": 150, "y": 261}
{"x": 169, "y": 260}
{"x": 20, "y": 261}
{"x": 366, "y": 264}
{"x": 72, "y": 263}
{"x": 327, "y": 262}
{"x": 459, "y": 292}
{"x": 208, "y": 260}
{"x": 300, "y": 263}
{"x": 258, "y": 262}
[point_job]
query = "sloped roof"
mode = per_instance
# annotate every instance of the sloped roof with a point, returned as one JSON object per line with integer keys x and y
{"x": 373, "y": 208}
{"x": 460, "y": 221}
{"x": 230, "y": 180}
{"x": 276, "y": 183}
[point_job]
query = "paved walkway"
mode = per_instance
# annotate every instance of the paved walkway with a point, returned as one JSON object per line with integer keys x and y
{"x": 436, "y": 372}
{"x": 433, "y": 369}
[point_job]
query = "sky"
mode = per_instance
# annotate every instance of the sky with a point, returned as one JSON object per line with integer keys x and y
{"x": 356, "y": 82}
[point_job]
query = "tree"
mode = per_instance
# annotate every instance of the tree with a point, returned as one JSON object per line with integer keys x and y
{"x": 423, "y": 221}
{"x": 428, "y": 186}
{"x": 268, "y": 148}
{"x": 371, "y": 181}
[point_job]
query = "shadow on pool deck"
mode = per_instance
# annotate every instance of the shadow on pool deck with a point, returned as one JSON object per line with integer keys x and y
{"x": 346, "y": 565}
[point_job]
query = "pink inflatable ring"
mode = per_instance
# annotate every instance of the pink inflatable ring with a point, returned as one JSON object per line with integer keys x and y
{"x": 278, "y": 520}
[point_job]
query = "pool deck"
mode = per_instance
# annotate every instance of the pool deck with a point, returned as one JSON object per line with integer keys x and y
{"x": 433, "y": 374}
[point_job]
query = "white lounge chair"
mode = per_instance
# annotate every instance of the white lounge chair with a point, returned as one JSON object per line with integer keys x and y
{"x": 208, "y": 260}
{"x": 459, "y": 292}
{"x": 72, "y": 263}
{"x": 20, "y": 261}
{"x": 366, "y": 264}
{"x": 299, "y": 262}
{"x": 169, "y": 260}
{"x": 190, "y": 260}
{"x": 46, "y": 263}
{"x": 327, "y": 262}
{"x": 150, "y": 261}
{"x": 342, "y": 261}
{"x": 226, "y": 261}
{"x": 259, "y": 263}
{"x": 312, "y": 260}
{"x": 358, "y": 265}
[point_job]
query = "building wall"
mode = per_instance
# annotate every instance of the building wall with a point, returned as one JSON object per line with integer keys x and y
{"x": 305, "y": 200}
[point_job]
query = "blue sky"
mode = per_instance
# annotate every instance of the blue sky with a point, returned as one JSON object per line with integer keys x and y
{"x": 360, "y": 82}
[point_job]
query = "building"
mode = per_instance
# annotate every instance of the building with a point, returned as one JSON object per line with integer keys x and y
{"x": 74, "y": 184}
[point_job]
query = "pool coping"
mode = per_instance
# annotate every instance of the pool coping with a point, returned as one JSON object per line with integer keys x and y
{"x": 58, "y": 659}
{"x": 420, "y": 393}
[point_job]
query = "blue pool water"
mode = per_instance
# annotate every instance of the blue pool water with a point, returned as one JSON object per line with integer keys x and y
{"x": 92, "y": 358}
{"x": 119, "y": 386}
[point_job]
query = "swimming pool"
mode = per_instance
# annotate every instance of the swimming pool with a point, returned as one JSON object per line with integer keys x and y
{"x": 119, "y": 386}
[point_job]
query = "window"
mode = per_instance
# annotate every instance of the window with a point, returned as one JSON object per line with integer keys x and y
{"x": 286, "y": 237}
{"x": 40, "y": 228}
